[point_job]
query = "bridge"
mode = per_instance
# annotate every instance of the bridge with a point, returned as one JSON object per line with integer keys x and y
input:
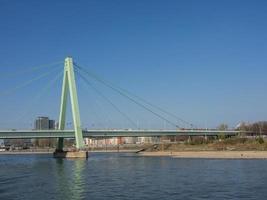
{"x": 26, "y": 134}
{"x": 69, "y": 88}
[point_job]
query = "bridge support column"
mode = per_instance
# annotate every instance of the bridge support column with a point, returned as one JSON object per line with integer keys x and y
{"x": 69, "y": 87}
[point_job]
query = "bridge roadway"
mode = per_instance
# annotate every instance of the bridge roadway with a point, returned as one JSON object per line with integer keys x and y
{"x": 24, "y": 134}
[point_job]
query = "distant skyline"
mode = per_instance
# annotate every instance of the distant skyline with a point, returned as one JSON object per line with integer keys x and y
{"x": 204, "y": 61}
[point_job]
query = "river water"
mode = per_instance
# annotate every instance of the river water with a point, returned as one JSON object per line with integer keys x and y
{"x": 127, "y": 176}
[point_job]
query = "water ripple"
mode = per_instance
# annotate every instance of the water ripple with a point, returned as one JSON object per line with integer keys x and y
{"x": 120, "y": 176}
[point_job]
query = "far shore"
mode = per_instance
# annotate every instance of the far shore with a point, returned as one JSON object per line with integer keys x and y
{"x": 176, "y": 154}
{"x": 211, "y": 154}
{"x": 52, "y": 151}
{"x": 24, "y": 152}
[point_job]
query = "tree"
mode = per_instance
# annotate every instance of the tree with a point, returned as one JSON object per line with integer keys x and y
{"x": 222, "y": 127}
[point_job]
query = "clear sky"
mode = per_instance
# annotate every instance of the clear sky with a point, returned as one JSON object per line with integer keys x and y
{"x": 205, "y": 61}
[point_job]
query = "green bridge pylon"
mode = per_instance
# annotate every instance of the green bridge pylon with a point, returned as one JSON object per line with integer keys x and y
{"x": 69, "y": 87}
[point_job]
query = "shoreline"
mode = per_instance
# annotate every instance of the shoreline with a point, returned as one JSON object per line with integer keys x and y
{"x": 24, "y": 152}
{"x": 210, "y": 154}
{"x": 177, "y": 154}
{"x": 51, "y": 152}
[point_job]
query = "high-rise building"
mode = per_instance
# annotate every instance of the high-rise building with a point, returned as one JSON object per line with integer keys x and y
{"x": 41, "y": 123}
{"x": 52, "y": 124}
{"x": 44, "y": 123}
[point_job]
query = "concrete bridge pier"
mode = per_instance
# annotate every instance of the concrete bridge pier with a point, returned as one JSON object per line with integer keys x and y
{"x": 71, "y": 154}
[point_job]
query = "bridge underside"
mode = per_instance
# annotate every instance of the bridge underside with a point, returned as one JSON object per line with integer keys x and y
{"x": 27, "y": 134}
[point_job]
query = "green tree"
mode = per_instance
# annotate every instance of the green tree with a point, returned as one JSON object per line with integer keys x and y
{"x": 222, "y": 127}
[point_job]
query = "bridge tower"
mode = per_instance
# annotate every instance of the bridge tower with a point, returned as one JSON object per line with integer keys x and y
{"x": 69, "y": 87}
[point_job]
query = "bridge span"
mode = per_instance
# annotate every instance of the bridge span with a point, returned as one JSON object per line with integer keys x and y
{"x": 24, "y": 134}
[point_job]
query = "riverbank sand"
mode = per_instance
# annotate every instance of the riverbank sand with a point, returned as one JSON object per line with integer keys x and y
{"x": 211, "y": 154}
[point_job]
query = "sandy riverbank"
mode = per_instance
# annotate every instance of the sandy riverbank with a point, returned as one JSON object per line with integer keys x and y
{"x": 211, "y": 154}
{"x": 180, "y": 154}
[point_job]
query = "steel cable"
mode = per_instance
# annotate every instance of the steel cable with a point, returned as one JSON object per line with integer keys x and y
{"x": 126, "y": 96}
{"x": 107, "y": 99}
{"x": 140, "y": 98}
{"x": 25, "y": 84}
{"x": 27, "y": 70}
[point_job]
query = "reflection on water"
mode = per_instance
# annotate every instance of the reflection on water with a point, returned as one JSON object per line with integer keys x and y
{"x": 130, "y": 177}
{"x": 79, "y": 180}
{"x": 70, "y": 182}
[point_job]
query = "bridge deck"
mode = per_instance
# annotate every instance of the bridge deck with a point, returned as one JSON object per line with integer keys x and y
{"x": 23, "y": 134}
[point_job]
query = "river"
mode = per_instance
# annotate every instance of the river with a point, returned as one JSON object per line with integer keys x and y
{"x": 128, "y": 176}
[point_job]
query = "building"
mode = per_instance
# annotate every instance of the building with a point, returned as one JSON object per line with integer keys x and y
{"x": 102, "y": 142}
{"x": 114, "y": 141}
{"x": 52, "y": 124}
{"x": 130, "y": 140}
{"x": 44, "y": 123}
{"x": 148, "y": 140}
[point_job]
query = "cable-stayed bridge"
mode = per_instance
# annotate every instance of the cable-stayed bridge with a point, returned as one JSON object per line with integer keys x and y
{"x": 72, "y": 69}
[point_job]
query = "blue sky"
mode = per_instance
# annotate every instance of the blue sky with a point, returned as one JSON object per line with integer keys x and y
{"x": 205, "y": 61}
